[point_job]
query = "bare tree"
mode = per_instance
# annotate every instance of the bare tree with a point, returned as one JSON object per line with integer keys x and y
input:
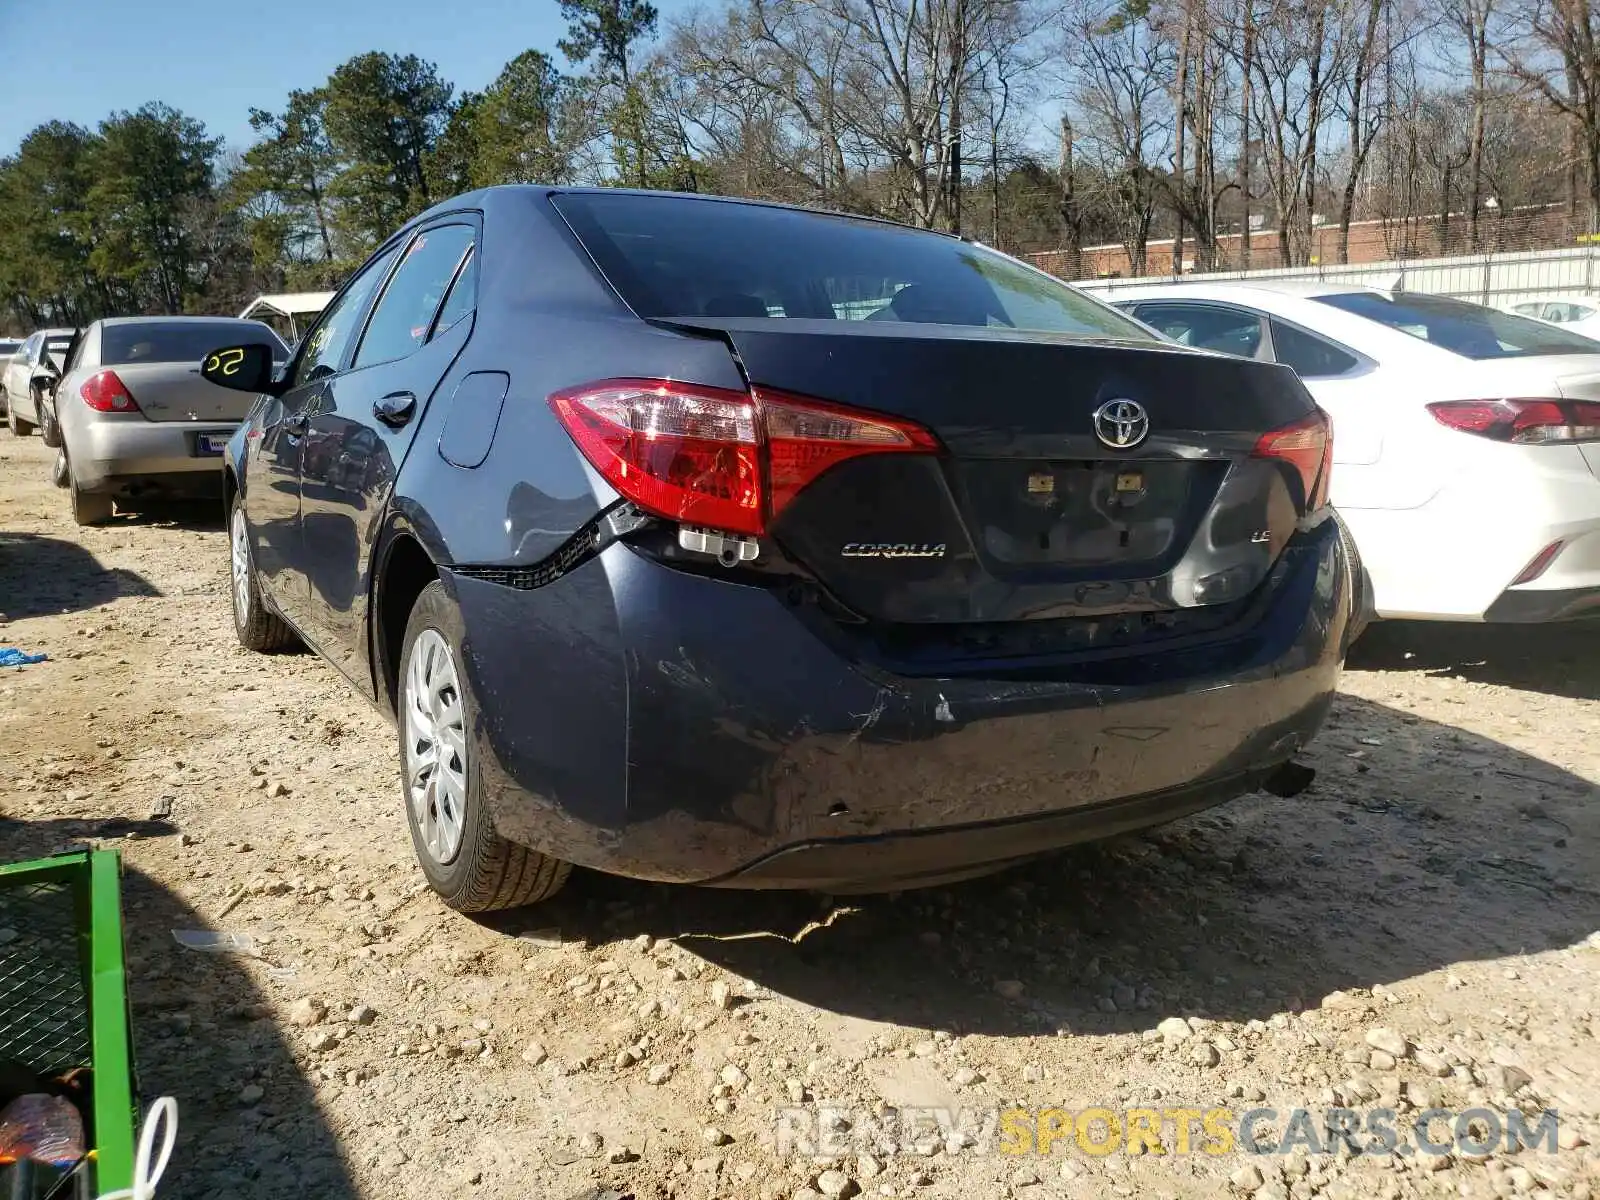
{"x": 1120, "y": 72}
{"x": 1553, "y": 48}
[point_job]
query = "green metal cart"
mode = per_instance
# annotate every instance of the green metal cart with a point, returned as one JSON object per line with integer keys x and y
{"x": 64, "y": 996}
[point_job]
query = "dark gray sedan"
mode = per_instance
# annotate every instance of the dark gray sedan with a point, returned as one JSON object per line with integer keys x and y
{"x": 716, "y": 542}
{"x": 132, "y": 416}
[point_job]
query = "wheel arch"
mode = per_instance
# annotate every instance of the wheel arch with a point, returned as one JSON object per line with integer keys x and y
{"x": 405, "y": 569}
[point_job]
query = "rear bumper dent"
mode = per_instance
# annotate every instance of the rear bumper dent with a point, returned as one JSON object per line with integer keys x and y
{"x": 686, "y": 729}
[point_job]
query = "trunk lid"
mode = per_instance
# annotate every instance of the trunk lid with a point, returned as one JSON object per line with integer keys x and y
{"x": 1031, "y": 514}
{"x": 176, "y": 392}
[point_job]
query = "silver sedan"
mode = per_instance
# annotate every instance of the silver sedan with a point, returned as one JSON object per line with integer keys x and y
{"x": 135, "y": 419}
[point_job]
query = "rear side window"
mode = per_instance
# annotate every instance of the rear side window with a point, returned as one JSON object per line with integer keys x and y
{"x": 677, "y": 257}
{"x": 406, "y": 309}
{"x": 1469, "y": 330}
{"x": 1310, "y": 356}
{"x": 462, "y": 297}
{"x": 174, "y": 341}
{"x": 1206, "y": 326}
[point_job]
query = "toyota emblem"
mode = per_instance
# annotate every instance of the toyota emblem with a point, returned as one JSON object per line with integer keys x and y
{"x": 1121, "y": 424}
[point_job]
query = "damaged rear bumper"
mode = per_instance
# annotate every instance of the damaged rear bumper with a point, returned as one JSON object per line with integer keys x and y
{"x": 647, "y": 722}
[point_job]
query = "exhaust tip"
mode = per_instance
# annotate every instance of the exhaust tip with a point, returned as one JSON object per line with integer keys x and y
{"x": 1289, "y": 779}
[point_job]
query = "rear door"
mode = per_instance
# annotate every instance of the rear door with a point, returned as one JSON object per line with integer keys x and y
{"x": 20, "y": 367}
{"x": 367, "y": 423}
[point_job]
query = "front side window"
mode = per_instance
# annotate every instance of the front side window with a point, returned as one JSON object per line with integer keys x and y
{"x": 327, "y": 342}
{"x": 406, "y": 309}
{"x": 674, "y": 257}
{"x": 1206, "y": 326}
{"x": 1470, "y": 330}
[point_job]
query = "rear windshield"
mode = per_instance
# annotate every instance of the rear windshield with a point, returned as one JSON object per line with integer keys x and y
{"x": 678, "y": 257}
{"x": 180, "y": 341}
{"x": 1469, "y": 330}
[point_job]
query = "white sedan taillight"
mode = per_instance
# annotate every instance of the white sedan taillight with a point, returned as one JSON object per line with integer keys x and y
{"x": 1528, "y": 422}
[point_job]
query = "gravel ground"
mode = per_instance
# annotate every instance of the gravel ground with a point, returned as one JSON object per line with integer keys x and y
{"x": 1418, "y": 929}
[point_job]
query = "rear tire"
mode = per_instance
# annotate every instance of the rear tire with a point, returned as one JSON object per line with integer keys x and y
{"x": 88, "y": 508}
{"x": 470, "y": 866}
{"x": 48, "y": 429}
{"x": 259, "y": 628}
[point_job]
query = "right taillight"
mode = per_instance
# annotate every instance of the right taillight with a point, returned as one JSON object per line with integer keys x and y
{"x": 1527, "y": 422}
{"x": 1306, "y": 445}
{"x": 714, "y": 457}
{"x": 105, "y": 392}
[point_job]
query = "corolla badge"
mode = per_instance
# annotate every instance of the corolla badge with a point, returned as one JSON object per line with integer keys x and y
{"x": 893, "y": 550}
{"x": 1121, "y": 424}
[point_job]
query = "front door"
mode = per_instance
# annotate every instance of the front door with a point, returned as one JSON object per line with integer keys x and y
{"x": 357, "y": 442}
{"x": 274, "y": 463}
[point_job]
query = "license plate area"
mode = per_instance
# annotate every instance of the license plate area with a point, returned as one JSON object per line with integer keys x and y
{"x": 1084, "y": 513}
{"x": 210, "y": 445}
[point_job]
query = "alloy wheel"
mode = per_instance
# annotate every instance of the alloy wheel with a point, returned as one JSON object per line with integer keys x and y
{"x": 436, "y": 747}
{"x": 241, "y": 566}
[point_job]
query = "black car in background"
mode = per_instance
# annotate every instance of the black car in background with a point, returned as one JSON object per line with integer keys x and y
{"x": 726, "y": 543}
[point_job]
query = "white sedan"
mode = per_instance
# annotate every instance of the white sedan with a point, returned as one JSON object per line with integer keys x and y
{"x": 1466, "y": 440}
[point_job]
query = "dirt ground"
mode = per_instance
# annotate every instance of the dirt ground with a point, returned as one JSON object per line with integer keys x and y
{"x": 1435, "y": 892}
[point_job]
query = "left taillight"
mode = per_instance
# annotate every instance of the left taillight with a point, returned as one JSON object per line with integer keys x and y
{"x": 715, "y": 457}
{"x": 105, "y": 392}
{"x": 1533, "y": 421}
{"x": 1307, "y": 446}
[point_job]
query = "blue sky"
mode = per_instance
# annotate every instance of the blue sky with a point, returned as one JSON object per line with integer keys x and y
{"x": 216, "y": 60}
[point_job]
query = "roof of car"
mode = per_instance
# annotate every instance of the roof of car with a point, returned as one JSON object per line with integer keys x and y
{"x": 489, "y": 195}
{"x": 111, "y": 321}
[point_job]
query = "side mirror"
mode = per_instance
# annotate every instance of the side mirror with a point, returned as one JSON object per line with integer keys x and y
{"x": 241, "y": 368}
{"x": 44, "y": 376}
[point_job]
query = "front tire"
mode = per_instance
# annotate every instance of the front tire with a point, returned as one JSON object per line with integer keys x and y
{"x": 470, "y": 866}
{"x": 259, "y": 628}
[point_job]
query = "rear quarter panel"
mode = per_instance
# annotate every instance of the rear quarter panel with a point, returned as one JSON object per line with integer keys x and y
{"x": 546, "y": 320}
